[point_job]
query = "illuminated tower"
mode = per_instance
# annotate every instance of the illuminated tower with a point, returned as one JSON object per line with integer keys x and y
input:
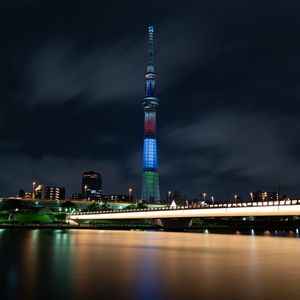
{"x": 150, "y": 184}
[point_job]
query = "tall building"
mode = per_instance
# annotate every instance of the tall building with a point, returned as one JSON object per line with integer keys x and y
{"x": 150, "y": 180}
{"x": 91, "y": 185}
{"x": 54, "y": 193}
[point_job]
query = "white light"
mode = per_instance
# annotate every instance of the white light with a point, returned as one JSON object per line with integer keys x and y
{"x": 274, "y": 210}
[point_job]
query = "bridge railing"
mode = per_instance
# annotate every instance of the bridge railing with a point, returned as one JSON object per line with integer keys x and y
{"x": 195, "y": 206}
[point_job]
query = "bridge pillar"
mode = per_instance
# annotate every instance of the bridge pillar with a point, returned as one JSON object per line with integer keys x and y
{"x": 174, "y": 224}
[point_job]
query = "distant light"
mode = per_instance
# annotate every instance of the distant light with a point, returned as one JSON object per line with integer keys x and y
{"x": 252, "y": 232}
{"x": 297, "y": 231}
{"x": 150, "y": 28}
{"x": 16, "y": 209}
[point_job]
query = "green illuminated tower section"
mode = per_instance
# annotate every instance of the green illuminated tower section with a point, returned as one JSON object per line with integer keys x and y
{"x": 150, "y": 181}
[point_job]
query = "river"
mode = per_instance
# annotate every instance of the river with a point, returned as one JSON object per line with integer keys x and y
{"x": 97, "y": 264}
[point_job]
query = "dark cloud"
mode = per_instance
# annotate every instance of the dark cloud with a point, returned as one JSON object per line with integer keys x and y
{"x": 71, "y": 81}
{"x": 251, "y": 146}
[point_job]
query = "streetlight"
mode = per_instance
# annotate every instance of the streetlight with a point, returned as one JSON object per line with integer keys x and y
{"x": 235, "y": 196}
{"x": 169, "y": 196}
{"x": 130, "y": 194}
{"x": 251, "y": 195}
{"x": 85, "y": 188}
{"x": 33, "y": 194}
{"x": 204, "y": 195}
{"x": 212, "y": 200}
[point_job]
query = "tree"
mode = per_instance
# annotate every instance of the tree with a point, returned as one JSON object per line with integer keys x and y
{"x": 93, "y": 207}
{"x": 68, "y": 204}
{"x": 11, "y": 204}
{"x": 136, "y": 206}
{"x": 131, "y": 206}
{"x": 104, "y": 206}
{"x": 141, "y": 205}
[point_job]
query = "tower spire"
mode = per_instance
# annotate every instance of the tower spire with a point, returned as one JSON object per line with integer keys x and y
{"x": 150, "y": 65}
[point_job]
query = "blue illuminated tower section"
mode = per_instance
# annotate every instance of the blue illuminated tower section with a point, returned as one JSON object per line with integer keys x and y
{"x": 150, "y": 184}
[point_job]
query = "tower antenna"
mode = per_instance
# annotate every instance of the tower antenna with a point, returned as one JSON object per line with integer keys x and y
{"x": 150, "y": 64}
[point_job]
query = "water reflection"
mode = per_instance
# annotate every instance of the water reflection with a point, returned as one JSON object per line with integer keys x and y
{"x": 70, "y": 264}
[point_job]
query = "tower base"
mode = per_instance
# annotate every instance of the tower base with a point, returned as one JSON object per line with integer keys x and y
{"x": 150, "y": 186}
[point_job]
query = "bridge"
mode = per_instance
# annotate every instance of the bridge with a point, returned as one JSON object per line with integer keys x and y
{"x": 181, "y": 216}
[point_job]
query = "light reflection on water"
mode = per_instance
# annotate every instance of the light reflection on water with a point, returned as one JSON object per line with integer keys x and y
{"x": 87, "y": 264}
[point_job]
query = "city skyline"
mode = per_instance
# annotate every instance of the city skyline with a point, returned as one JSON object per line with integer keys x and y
{"x": 71, "y": 90}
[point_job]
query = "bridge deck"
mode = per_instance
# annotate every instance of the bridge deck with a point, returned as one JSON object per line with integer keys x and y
{"x": 276, "y": 208}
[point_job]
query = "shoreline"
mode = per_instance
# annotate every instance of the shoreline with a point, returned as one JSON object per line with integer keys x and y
{"x": 288, "y": 230}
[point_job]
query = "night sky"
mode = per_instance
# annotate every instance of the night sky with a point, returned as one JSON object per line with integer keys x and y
{"x": 72, "y": 80}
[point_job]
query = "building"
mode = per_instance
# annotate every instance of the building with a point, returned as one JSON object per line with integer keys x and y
{"x": 116, "y": 198}
{"x": 264, "y": 196}
{"x": 54, "y": 193}
{"x": 76, "y": 196}
{"x": 38, "y": 192}
{"x": 150, "y": 180}
{"x": 91, "y": 185}
{"x": 25, "y": 195}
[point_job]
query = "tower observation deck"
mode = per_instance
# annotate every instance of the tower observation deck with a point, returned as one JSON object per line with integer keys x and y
{"x": 150, "y": 180}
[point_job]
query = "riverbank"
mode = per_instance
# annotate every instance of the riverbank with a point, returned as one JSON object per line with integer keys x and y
{"x": 81, "y": 226}
{"x": 265, "y": 228}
